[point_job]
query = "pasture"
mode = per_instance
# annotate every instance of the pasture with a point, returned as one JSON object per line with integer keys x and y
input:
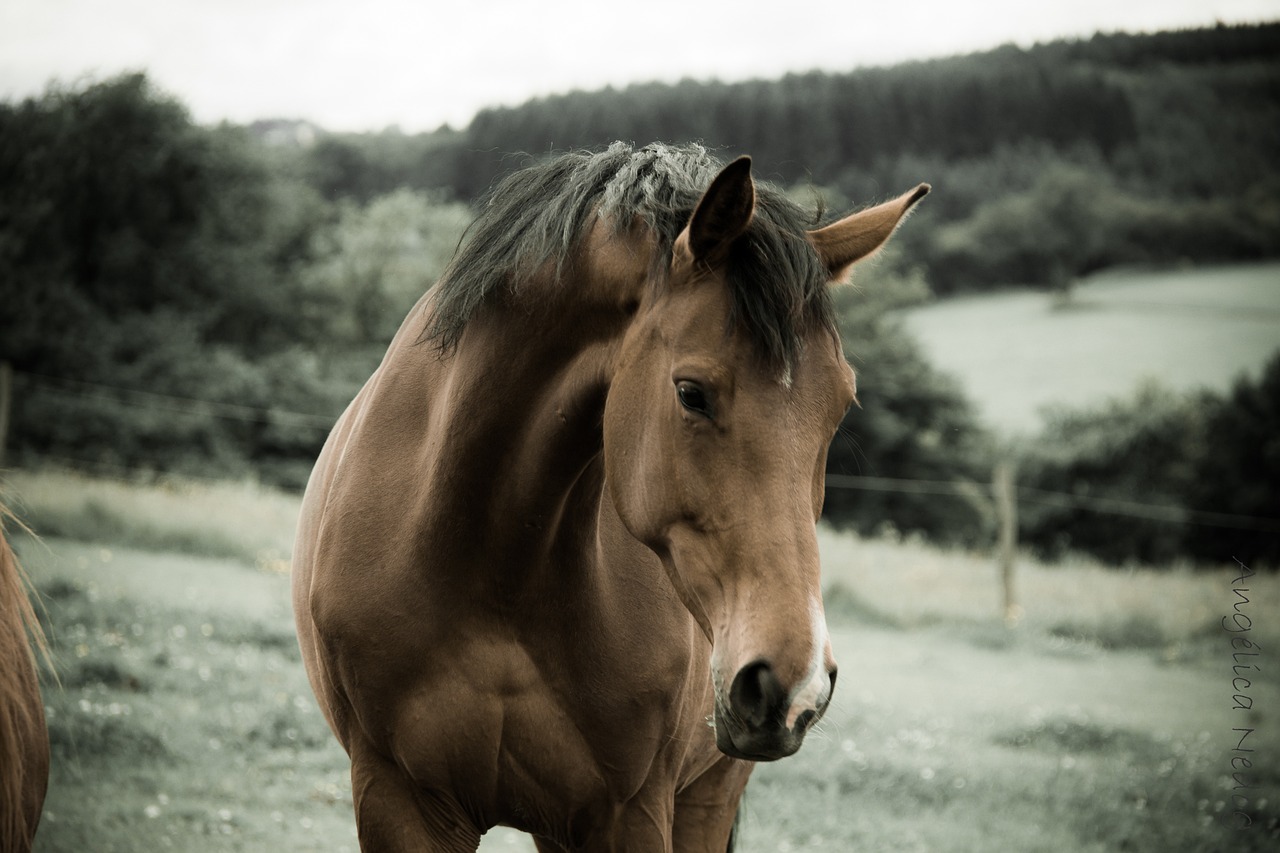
{"x": 181, "y": 718}
{"x": 1016, "y": 352}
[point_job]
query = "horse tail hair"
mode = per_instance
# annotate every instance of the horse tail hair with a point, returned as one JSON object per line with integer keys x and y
{"x": 24, "y": 738}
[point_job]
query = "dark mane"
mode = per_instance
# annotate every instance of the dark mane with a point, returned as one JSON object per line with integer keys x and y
{"x": 538, "y": 214}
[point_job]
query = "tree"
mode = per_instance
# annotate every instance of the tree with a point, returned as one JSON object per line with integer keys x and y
{"x": 1046, "y": 236}
{"x": 1143, "y": 449}
{"x": 375, "y": 260}
{"x": 1238, "y": 472}
{"x": 143, "y": 254}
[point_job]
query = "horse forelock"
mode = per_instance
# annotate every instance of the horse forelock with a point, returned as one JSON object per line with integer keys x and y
{"x": 537, "y": 216}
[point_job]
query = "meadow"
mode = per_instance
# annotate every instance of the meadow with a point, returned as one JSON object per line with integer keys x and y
{"x": 1018, "y": 351}
{"x": 1100, "y": 720}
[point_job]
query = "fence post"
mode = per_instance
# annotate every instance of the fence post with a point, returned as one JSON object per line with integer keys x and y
{"x": 1003, "y": 489}
{"x": 6, "y": 399}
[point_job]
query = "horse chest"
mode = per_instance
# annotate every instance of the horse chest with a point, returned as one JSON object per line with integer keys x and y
{"x": 532, "y": 733}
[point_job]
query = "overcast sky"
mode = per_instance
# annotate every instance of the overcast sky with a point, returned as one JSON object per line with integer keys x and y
{"x": 368, "y": 64}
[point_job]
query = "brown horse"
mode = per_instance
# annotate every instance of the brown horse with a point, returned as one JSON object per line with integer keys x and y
{"x": 557, "y": 566}
{"x": 24, "y": 740}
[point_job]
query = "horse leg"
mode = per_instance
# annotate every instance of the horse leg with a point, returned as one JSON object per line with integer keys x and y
{"x": 643, "y": 826}
{"x": 394, "y": 815}
{"x": 706, "y": 810}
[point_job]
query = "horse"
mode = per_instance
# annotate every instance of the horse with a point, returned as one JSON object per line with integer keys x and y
{"x": 557, "y": 566}
{"x": 24, "y": 737}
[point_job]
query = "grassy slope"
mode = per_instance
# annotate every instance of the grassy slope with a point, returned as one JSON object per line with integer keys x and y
{"x": 1016, "y": 352}
{"x": 1102, "y": 721}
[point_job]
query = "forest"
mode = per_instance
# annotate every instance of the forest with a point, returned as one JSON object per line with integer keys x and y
{"x": 201, "y": 300}
{"x": 1048, "y": 162}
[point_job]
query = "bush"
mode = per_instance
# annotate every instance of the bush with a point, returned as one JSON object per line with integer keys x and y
{"x": 1238, "y": 472}
{"x": 1044, "y": 236}
{"x": 178, "y": 299}
{"x": 1143, "y": 449}
{"x": 1196, "y": 452}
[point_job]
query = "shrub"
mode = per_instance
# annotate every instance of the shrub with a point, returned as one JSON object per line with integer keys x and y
{"x": 1197, "y": 452}
{"x": 1142, "y": 449}
{"x": 1238, "y": 471}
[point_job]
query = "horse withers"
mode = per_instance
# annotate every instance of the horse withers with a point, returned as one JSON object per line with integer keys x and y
{"x": 557, "y": 566}
{"x": 24, "y": 738}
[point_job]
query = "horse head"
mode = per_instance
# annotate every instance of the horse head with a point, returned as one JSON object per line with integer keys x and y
{"x": 715, "y": 456}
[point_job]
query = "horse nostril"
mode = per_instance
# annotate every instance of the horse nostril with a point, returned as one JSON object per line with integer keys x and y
{"x": 756, "y": 695}
{"x": 805, "y": 720}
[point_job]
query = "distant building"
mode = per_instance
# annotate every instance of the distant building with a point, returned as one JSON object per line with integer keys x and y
{"x": 286, "y": 133}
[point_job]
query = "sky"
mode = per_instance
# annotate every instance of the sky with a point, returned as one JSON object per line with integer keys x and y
{"x": 355, "y": 65}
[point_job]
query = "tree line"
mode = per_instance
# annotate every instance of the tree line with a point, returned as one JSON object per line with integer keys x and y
{"x": 1048, "y": 163}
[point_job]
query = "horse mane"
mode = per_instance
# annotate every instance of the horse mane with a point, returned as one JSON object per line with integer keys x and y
{"x": 538, "y": 215}
{"x": 19, "y": 633}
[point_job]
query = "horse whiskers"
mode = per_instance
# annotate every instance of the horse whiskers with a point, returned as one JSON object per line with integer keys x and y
{"x": 675, "y": 738}
{"x": 822, "y": 732}
{"x": 826, "y": 724}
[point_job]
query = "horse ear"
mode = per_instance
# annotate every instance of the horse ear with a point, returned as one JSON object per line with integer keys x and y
{"x": 843, "y": 243}
{"x": 722, "y": 214}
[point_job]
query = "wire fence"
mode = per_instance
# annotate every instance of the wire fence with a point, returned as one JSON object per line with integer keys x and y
{"x": 978, "y": 493}
{"x": 970, "y": 490}
{"x": 171, "y": 403}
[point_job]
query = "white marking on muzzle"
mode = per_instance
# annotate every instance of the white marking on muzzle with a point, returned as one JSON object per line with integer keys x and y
{"x": 817, "y": 683}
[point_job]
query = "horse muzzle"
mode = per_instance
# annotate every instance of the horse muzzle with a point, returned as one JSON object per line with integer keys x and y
{"x": 760, "y": 721}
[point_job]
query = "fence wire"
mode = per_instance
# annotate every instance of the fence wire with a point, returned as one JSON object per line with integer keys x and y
{"x": 968, "y": 490}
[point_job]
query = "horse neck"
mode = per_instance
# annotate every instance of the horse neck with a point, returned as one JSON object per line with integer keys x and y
{"x": 514, "y": 413}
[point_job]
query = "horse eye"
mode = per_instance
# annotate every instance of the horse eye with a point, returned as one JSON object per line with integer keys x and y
{"x": 693, "y": 398}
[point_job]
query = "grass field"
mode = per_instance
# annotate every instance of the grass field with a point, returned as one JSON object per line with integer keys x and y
{"x": 181, "y": 718}
{"x": 1018, "y": 351}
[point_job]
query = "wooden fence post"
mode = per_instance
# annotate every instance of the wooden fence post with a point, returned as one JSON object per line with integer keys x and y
{"x": 1004, "y": 491}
